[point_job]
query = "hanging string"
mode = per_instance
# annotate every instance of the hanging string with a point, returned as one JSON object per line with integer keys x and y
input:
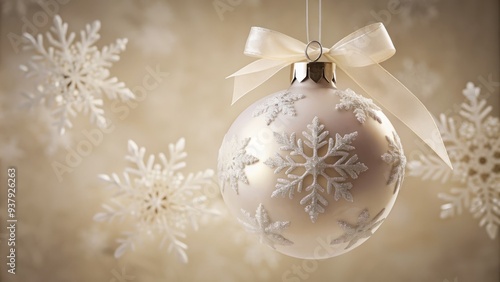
{"x": 319, "y": 21}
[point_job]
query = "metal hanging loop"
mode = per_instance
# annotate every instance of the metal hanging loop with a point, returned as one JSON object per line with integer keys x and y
{"x": 307, "y": 49}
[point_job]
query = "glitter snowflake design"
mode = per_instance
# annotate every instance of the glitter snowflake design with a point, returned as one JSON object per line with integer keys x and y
{"x": 269, "y": 232}
{"x": 336, "y": 158}
{"x": 364, "y": 228}
{"x": 282, "y": 103}
{"x": 474, "y": 150}
{"x": 71, "y": 76}
{"x": 361, "y": 106}
{"x": 233, "y": 158}
{"x": 158, "y": 198}
{"x": 395, "y": 157}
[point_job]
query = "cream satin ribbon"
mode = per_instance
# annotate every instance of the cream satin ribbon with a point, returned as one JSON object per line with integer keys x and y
{"x": 358, "y": 55}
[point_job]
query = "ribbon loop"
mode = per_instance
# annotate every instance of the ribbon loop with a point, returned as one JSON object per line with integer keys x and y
{"x": 358, "y": 55}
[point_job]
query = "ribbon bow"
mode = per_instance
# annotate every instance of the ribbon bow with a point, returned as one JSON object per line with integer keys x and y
{"x": 358, "y": 55}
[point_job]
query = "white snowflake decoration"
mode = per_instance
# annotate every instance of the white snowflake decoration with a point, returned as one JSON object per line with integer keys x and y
{"x": 73, "y": 76}
{"x": 233, "y": 161}
{"x": 361, "y": 106}
{"x": 395, "y": 157}
{"x": 158, "y": 197}
{"x": 363, "y": 228}
{"x": 345, "y": 165}
{"x": 269, "y": 232}
{"x": 474, "y": 150}
{"x": 282, "y": 103}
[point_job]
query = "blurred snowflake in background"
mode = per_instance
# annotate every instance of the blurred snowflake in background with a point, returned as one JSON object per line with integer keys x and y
{"x": 157, "y": 198}
{"x": 473, "y": 143}
{"x": 417, "y": 11}
{"x": 419, "y": 78}
{"x": 71, "y": 76}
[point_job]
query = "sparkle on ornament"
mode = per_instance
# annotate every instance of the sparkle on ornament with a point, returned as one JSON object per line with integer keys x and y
{"x": 474, "y": 150}
{"x": 157, "y": 197}
{"x": 364, "y": 228}
{"x": 73, "y": 76}
{"x": 233, "y": 161}
{"x": 281, "y": 103}
{"x": 361, "y": 106}
{"x": 269, "y": 232}
{"x": 336, "y": 158}
{"x": 395, "y": 157}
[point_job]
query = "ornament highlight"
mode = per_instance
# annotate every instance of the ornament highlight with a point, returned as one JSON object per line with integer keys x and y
{"x": 311, "y": 163}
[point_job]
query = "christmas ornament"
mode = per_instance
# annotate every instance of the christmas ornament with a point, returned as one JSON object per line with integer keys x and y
{"x": 311, "y": 162}
{"x": 314, "y": 163}
{"x": 474, "y": 146}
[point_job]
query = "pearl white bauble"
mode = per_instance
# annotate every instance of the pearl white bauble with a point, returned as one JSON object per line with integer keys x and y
{"x": 312, "y": 170}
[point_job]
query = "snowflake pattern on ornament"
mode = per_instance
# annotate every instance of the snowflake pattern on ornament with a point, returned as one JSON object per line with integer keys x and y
{"x": 269, "y": 232}
{"x": 233, "y": 160}
{"x": 345, "y": 165}
{"x": 71, "y": 76}
{"x": 282, "y": 103}
{"x": 158, "y": 198}
{"x": 364, "y": 228}
{"x": 395, "y": 157}
{"x": 474, "y": 150}
{"x": 361, "y": 106}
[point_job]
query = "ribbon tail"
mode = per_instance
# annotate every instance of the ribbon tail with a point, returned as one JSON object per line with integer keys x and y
{"x": 253, "y": 75}
{"x": 397, "y": 99}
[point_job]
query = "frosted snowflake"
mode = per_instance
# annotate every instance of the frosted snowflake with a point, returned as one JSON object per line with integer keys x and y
{"x": 395, "y": 157}
{"x": 364, "y": 228}
{"x": 71, "y": 76}
{"x": 337, "y": 158}
{"x": 158, "y": 198}
{"x": 361, "y": 106}
{"x": 281, "y": 103}
{"x": 269, "y": 232}
{"x": 474, "y": 150}
{"x": 233, "y": 158}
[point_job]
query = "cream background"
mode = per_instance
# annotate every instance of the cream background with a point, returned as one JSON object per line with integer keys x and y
{"x": 449, "y": 43}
